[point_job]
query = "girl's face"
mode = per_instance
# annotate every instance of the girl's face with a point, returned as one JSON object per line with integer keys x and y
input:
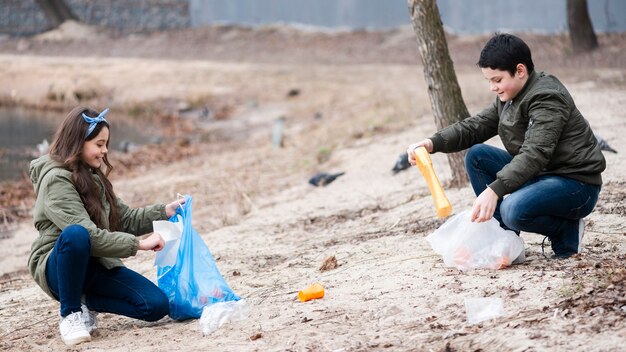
{"x": 503, "y": 84}
{"x": 95, "y": 149}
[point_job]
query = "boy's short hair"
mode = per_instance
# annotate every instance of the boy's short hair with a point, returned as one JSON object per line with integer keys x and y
{"x": 503, "y": 52}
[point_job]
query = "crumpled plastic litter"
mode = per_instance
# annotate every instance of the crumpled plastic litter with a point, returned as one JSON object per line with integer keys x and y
{"x": 480, "y": 309}
{"x": 216, "y": 315}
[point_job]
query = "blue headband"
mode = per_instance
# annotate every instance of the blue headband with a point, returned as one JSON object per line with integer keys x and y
{"x": 93, "y": 121}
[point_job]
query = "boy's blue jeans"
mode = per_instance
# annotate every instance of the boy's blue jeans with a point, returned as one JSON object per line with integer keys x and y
{"x": 72, "y": 272}
{"x": 549, "y": 205}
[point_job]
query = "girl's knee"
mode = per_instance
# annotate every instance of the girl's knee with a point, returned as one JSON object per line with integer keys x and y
{"x": 75, "y": 236}
{"x": 158, "y": 307}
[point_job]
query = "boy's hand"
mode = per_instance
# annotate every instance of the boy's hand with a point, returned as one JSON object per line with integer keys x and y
{"x": 426, "y": 143}
{"x": 170, "y": 209}
{"x": 153, "y": 242}
{"x": 484, "y": 205}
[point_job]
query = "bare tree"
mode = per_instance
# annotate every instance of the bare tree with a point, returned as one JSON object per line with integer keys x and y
{"x": 580, "y": 28}
{"x": 56, "y": 11}
{"x": 444, "y": 91}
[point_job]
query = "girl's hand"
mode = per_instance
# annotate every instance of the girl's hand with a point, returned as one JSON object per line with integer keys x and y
{"x": 170, "y": 209}
{"x": 426, "y": 143}
{"x": 484, "y": 205}
{"x": 153, "y": 242}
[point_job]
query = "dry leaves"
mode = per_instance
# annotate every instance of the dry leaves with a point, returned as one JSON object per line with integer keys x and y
{"x": 16, "y": 201}
{"x": 600, "y": 290}
{"x": 329, "y": 263}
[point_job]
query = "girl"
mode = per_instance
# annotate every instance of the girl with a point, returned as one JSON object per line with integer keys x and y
{"x": 84, "y": 229}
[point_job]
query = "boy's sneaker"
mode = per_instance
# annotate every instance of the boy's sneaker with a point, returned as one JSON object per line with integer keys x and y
{"x": 89, "y": 318}
{"x": 73, "y": 329}
{"x": 581, "y": 234}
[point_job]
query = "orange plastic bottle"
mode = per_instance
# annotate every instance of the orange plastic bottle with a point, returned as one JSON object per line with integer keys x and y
{"x": 503, "y": 262}
{"x": 312, "y": 292}
{"x": 462, "y": 257}
{"x": 442, "y": 205}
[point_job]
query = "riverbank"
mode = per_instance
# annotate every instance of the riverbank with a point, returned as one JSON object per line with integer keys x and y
{"x": 351, "y": 102}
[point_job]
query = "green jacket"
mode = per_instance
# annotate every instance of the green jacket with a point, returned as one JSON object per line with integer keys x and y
{"x": 58, "y": 205}
{"x": 543, "y": 130}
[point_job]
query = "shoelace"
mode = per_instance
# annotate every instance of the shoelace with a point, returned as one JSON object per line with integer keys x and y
{"x": 542, "y": 245}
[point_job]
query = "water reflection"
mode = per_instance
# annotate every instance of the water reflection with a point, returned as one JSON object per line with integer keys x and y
{"x": 21, "y": 130}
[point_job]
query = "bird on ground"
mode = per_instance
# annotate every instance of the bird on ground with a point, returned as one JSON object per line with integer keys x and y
{"x": 402, "y": 163}
{"x": 294, "y": 92}
{"x": 322, "y": 178}
{"x": 604, "y": 145}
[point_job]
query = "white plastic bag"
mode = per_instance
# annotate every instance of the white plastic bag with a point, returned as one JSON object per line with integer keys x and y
{"x": 220, "y": 313}
{"x": 470, "y": 245}
{"x": 171, "y": 233}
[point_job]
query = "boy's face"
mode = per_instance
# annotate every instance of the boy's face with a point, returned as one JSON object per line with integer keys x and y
{"x": 503, "y": 84}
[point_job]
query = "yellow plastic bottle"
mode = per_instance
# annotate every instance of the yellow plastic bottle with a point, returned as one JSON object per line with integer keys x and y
{"x": 442, "y": 204}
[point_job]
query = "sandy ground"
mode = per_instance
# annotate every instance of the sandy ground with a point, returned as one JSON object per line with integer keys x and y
{"x": 362, "y": 100}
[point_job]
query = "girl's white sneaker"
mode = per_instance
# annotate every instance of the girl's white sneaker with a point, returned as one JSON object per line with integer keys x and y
{"x": 89, "y": 318}
{"x": 73, "y": 329}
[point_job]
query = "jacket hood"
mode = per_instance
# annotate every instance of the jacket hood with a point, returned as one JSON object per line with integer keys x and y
{"x": 39, "y": 168}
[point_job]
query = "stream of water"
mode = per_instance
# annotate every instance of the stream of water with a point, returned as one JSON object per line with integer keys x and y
{"x": 22, "y": 130}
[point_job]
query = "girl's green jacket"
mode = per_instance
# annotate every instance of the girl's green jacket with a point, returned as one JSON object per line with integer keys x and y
{"x": 58, "y": 205}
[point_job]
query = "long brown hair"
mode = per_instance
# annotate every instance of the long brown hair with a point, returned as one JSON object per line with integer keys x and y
{"x": 66, "y": 149}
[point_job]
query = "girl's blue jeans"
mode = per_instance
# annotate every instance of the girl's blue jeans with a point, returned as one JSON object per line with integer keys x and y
{"x": 549, "y": 205}
{"x": 71, "y": 272}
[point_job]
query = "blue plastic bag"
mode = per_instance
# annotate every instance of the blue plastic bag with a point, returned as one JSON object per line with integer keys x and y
{"x": 194, "y": 281}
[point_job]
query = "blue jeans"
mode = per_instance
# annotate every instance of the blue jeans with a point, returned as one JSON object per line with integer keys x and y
{"x": 72, "y": 272}
{"x": 549, "y": 205}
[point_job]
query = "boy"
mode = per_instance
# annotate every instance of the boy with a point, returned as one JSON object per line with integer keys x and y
{"x": 550, "y": 170}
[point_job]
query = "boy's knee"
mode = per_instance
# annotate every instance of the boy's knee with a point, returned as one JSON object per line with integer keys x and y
{"x": 473, "y": 153}
{"x": 511, "y": 215}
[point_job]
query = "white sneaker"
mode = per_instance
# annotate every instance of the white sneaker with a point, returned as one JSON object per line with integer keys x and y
{"x": 73, "y": 330}
{"x": 581, "y": 234}
{"x": 89, "y": 318}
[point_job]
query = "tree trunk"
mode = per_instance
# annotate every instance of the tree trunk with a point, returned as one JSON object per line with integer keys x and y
{"x": 580, "y": 28}
{"x": 443, "y": 89}
{"x": 56, "y": 11}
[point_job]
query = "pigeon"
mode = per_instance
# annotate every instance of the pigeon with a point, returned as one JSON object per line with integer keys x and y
{"x": 294, "y": 92}
{"x": 322, "y": 179}
{"x": 402, "y": 163}
{"x": 604, "y": 145}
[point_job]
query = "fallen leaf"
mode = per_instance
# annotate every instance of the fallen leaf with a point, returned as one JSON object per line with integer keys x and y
{"x": 329, "y": 263}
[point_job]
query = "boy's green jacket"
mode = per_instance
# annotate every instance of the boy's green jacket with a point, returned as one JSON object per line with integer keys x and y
{"x": 59, "y": 205}
{"x": 543, "y": 130}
